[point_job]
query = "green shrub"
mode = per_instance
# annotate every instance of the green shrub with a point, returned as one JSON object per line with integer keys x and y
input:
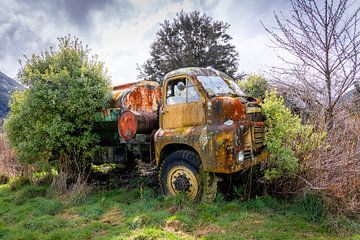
{"x": 52, "y": 119}
{"x": 255, "y": 86}
{"x": 287, "y": 140}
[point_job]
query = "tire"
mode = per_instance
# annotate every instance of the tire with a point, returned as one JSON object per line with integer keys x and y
{"x": 181, "y": 171}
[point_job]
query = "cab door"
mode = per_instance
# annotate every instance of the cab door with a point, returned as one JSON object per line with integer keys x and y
{"x": 183, "y": 105}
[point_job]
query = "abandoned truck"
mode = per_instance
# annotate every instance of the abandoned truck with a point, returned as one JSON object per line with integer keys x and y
{"x": 196, "y": 125}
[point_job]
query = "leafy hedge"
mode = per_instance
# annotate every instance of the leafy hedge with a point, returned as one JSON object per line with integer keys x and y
{"x": 52, "y": 119}
{"x": 287, "y": 140}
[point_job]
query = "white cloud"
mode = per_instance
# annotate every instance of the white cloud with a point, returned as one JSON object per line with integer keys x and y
{"x": 121, "y": 33}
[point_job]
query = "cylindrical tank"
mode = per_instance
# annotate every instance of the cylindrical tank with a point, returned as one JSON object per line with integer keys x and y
{"x": 131, "y": 123}
{"x": 143, "y": 96}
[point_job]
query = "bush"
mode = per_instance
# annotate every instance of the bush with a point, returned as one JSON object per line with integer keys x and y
{"x": 52, "y": 120}
{"x": 287, "y": 140}
{"x": 337, "y": 169}
{"x": 255, "y": 86}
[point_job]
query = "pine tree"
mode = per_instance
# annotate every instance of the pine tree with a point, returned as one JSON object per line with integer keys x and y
{"x": 190, "y": 40}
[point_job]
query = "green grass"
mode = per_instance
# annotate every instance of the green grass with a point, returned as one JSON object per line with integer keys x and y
{"x": 27, "y": 213}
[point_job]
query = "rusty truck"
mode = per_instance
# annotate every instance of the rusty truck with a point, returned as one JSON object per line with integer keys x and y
{"x": 193, "y": 126}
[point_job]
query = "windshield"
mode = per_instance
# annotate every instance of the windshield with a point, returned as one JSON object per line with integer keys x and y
{"x": 235, "y": 87}
{"x": 217, "y": 86}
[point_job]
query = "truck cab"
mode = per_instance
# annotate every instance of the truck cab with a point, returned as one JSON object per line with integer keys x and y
{"x": 206, "y": 123}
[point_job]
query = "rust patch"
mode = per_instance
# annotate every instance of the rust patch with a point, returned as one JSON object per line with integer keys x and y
{"x": 225, "y": 109}
{"x": 142, "y": 96}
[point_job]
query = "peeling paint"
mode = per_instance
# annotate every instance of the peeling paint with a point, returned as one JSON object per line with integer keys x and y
{"x": 229, "y": 122}
{"x": 203, "y": 139}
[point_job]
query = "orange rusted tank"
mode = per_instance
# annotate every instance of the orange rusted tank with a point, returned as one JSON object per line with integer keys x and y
{"x": 142, "y": 96}
{"x": 131, "y": 123}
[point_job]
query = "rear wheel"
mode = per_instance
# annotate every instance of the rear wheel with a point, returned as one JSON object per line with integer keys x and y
{"x": 181, "y": 172}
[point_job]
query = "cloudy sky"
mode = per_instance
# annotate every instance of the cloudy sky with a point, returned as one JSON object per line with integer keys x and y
{"x": 120, "y": 31}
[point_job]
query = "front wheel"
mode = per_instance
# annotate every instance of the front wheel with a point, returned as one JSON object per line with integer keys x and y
{"x": 181, "y": 172}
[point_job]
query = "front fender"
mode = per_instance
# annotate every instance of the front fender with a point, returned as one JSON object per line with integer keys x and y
{"x": 216, "y": 145}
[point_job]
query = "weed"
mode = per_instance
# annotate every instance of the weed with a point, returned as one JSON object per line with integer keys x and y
{"x": 341, "y": 225}
{"x": 139, "y": 221}
{"x": 3, "y": 179}
{"x": 313, "y": 207}
{"x": 179, "y": 201}
{"x": 240, "y": 192}
{"x": 19, "y": 182}
{"x": 28, "y": 192}
{"x": 43, "y": 178}
{"x": 43, "y": 224}
{"x": 43, "y": 206}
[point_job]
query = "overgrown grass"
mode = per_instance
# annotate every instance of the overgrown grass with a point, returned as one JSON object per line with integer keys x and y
{"x": 142, "y": 213}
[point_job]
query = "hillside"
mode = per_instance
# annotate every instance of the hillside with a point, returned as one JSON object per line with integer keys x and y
{"x": 7, "y": 86}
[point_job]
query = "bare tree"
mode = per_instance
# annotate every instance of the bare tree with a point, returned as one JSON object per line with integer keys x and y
{"x": 324, "y": 39}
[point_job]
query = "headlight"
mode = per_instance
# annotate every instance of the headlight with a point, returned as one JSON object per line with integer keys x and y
{"x": 240, "y": 157}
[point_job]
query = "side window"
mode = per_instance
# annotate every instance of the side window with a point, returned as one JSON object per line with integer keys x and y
{"x": 178, "y": 92}
{"x": 193, "y": 95}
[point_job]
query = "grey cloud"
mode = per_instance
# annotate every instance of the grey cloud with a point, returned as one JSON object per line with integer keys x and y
{"x": 30, "y": 26}
{"x": 19, "y": 35}
{"x": 79, "y": 12}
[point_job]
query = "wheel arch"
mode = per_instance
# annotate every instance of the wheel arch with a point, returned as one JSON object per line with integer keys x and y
{"x": 172, "y": 147}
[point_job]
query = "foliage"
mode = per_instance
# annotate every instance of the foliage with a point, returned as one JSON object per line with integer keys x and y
{"x": 190, "y": 40}
{"x": 287, "y": 140}
{"x": 52, "y": 118}
{"x": 255, "y": 86}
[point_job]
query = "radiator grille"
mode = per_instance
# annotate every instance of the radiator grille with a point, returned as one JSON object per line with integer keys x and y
{"x": 258, "y": 137}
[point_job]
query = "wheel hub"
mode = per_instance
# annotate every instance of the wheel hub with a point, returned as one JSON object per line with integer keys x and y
{"x": 182, "y": 179}
{"x": 181, "y": 183}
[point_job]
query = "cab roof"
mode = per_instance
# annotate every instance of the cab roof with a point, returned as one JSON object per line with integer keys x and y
{"x": 196, "y": 71}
